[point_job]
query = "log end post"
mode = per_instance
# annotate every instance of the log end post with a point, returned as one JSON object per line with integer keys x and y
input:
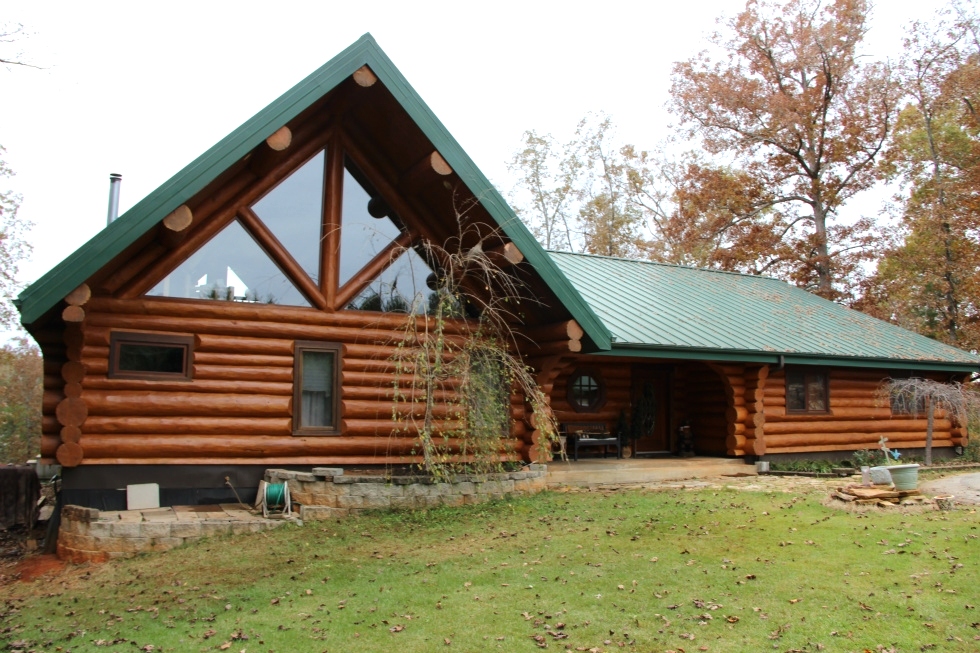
{"x": 176, "y": 225}
{"x": 365, "y": 77}
{"x": 280, "y": 139}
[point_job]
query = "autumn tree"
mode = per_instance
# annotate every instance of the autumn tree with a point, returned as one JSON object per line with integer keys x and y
{"x": 20, "y": 401}
{"x": 930, "y": 279}
{"x": 13, "y": 248}
{"x": 800, "y": 119}
{"x": 572, "y": 195}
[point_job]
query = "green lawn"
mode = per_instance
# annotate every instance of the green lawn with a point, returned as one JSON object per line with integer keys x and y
{"x": 634, "y": 571}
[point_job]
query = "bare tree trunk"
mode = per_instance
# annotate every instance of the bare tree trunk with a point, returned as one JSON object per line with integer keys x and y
{"x": 824, "y": 287}
{"x": 930, "y": 419}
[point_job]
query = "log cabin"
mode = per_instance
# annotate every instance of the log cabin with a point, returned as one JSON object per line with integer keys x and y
{"x": 248, "y": 313}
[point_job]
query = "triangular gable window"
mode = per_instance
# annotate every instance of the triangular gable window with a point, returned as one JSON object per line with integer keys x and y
{"x": 400, "y": 288}
{"x": 362, "y": 236}
{"x": 232, "y": 267}
{"x": 293, "y": 212}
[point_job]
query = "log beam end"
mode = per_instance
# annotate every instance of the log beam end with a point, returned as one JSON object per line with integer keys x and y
{"x": 280, "y": 139}
{"x": 79, "y": 296}
{"x": 365, "y": 77}
{"x": 69, "y": 454}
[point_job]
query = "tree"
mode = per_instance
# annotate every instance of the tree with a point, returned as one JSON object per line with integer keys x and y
{"x": 914, "y": 396}
{"x": 705, "y": 215}
{"x": 13, "y": 248}
{"x": 929, "y": 279}
{"x": 10, "y": 33}
{"x": 795, "y": 109}
{"x": 20, "y": 401}
{"x": 572, "y": 196}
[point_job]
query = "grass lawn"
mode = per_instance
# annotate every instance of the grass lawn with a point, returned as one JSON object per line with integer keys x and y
{"x": 702, "y": 570}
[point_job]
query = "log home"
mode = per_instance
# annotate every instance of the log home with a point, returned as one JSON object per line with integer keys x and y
{"x": 247, "y": 314}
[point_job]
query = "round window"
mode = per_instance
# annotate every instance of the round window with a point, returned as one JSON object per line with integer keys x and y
{"x": 585, "y": 391}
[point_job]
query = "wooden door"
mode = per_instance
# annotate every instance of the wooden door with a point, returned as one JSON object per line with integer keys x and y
{"x": 651, "y": 393}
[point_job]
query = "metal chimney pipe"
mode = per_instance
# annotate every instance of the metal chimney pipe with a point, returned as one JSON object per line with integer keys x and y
{"x": 115, "y": 181}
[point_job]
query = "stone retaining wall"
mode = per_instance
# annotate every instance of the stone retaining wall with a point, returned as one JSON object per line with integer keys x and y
{"x": 90, "y": 535}
{"x": 326, "y": 493}
{"x": 87, "y": 534}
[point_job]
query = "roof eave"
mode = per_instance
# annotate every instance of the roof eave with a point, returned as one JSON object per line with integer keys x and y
{"x": 789, "y": 358}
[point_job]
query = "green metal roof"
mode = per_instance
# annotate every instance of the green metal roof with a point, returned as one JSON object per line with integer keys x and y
{"x": 49, "y": 290}
{"x": 654, "y": 309}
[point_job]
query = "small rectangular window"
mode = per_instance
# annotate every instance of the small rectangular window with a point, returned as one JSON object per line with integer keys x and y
{"x": 316, "y": 388}
{"x": 806, "y": 391}
{"x": 150, "y": 356}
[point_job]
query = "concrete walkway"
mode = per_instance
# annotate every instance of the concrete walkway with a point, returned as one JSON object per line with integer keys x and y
{"x": 964, "y": 487}
{"x": 629, "y": 471}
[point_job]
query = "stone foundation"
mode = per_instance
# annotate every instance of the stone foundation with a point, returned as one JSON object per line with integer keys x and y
{"x": 326, "y": 493}
{"x": 90, "y": 535}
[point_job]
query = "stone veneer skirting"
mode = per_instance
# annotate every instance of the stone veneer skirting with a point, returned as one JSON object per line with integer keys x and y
{"x": 90, "y": 535}
{"x": 327, "y": 493}
{"x": 87, "y": 534}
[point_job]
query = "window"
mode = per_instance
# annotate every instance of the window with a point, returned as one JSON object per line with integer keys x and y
{"x": 150, "y": 356}
{"x": 806, "y": 391}
{"x": 231, "y": 267}
{"x": 586, "y": 392}
{"x": 316, "y": 388}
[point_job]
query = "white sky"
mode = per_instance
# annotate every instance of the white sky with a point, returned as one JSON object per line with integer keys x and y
{"x": 143, "y": 88}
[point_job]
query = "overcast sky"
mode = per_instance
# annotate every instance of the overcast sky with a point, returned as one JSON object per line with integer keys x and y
{"x": 143, "y": 88}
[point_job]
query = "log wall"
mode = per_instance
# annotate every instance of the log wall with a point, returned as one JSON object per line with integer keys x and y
{"x": 857, "y": 418}
{"x": 238, "y": 407}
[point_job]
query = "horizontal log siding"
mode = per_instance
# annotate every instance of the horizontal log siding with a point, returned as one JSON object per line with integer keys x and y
{"x": 857, "y": 418}
{"x": 238, "y": 406}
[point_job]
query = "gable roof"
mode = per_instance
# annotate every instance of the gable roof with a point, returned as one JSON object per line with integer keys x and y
{"x": 46, "y": 293}
{"x": 654, "y": 309}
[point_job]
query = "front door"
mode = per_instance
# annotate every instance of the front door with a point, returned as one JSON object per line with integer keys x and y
{"x": 650, "y": 405}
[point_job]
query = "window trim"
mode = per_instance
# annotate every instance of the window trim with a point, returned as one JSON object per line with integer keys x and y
{"x": 600, "y": 383}
{"x": 299, "y": 347}
{"x": 118, "y": 338}
{"x": 807, "y": 375}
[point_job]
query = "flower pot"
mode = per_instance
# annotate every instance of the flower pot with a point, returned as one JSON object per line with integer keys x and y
{"x": 881, "y": 475}
{"x": 905, "y": 477}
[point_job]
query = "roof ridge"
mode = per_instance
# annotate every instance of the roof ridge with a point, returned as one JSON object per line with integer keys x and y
{"x": 694, "y": 268}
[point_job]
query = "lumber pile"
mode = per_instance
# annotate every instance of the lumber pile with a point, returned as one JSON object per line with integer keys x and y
{"x": 885, "y": 496}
